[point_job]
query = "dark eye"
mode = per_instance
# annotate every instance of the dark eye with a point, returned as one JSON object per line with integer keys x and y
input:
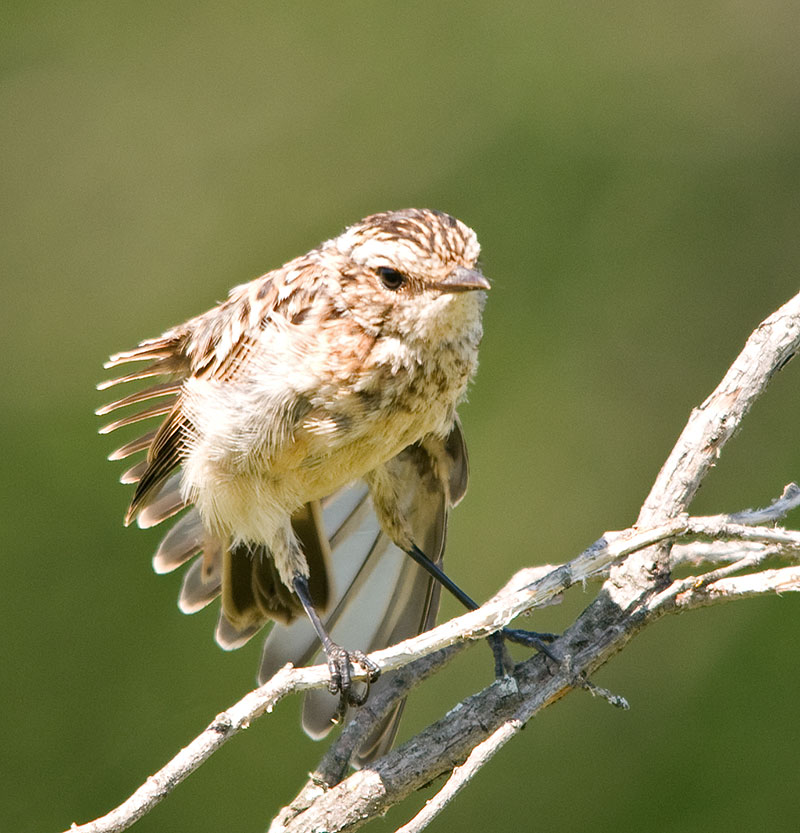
{"x": 391, "y": 278}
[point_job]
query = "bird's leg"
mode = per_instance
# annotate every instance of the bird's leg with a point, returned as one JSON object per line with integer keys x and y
{"x": 531, "y": 639}
{"x": 339, "y": 659}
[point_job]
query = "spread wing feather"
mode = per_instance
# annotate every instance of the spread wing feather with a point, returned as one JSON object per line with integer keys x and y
{"x": 155, "y": 493}
{"x": 134, "y": 473}
{"x": 164, "y": 503}
{"x": 138, "y": 444}
{"x": 163, "y": 389}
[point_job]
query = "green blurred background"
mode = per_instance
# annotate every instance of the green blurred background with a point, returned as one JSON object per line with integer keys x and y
{"x": 633, "y": 172}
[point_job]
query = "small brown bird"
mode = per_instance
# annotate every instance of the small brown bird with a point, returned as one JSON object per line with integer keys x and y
{"x": 309, "y": 431}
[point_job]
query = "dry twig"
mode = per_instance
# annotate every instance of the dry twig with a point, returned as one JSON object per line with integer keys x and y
{"x": 635, "y": 564}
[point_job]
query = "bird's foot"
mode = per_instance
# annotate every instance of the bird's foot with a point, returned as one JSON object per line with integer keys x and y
{"x": 340, "y": 663}
{"x": 531, "y": 639}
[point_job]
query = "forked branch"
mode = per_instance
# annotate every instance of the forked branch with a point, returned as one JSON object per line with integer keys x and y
{"x": 727, "y": 552}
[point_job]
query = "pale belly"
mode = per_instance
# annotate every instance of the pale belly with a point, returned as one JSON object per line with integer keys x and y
{"x": 257, "y": 456}
{"x": 253, "y": 504}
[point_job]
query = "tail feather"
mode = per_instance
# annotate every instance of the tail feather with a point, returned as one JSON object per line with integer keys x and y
{"x": 185, "y": 540}
{"x": 344, "y": 514}
{"x": 202, "y": 582}
{"x": 364, "y": 604}
{"x": 426, "y": 594}
{"x": 380, "y": 596}
{"x": 229, "y": 637}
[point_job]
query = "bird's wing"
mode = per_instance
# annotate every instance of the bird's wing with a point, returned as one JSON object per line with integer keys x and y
{"x": 214, "y": 345}
{"x": 379, "y": 596}
{"x": 157, "y": 494}
{"x": 252, "y": 591}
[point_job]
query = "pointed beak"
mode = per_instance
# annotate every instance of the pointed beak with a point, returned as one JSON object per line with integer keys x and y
{"x": 462, "y": 279}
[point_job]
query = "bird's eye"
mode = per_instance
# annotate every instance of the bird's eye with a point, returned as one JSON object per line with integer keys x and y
{"x": 391, "y": 278}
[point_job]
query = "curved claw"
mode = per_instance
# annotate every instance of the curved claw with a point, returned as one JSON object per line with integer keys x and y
{"x": 341, "y": 682}
{"x": 373, "y": 672}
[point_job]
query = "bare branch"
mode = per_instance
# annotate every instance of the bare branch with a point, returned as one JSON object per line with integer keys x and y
{"x": 622, "y": 607}
{"x": 638, "y": 589}
{"x": 462, "y": 775}
{"x": 527, "y": 590}
{"x": 777, "y": 510}
{"x": 772, "y": 344}
{"x": 767, "y": 582}
{"x": 697, "y": 553}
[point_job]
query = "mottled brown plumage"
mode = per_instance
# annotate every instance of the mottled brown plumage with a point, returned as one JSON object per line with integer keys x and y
{"x": 343, "y": 367}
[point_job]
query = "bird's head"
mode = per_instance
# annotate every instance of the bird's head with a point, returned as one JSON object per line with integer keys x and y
{"x": 411, "y": 273}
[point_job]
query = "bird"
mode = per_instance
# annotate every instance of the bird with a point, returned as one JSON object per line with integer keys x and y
{"x": 309, "y": 443}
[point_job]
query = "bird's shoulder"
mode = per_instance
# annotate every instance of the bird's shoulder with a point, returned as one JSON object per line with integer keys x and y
{"x": 219, "y": 343}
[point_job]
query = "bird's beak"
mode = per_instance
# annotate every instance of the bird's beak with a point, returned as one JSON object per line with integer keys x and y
{"x": 462, "y": 279}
